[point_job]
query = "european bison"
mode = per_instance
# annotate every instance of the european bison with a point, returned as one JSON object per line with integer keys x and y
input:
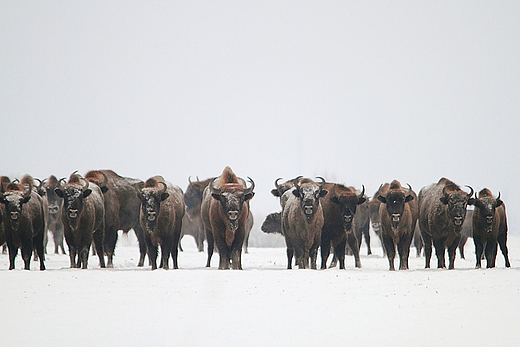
{"x": 398, "y": 214}
{"x": 83, "y": 216}
{"x": 54, "y": 223}
{"x": 122, "y": 202}
{"x": 24, "y": 221}
{"x": 224, "y": 211}
{"x": 162, "y": 209}
{"x": 373, "y": 210}
{"x": 489, "y": 228}
{"x": 302, "y": 221}
{"x": 467, "y": 232}
{"x": 442, "y": 209}
{"x": 339, "y": 209}
{"x": 193, "y": 200}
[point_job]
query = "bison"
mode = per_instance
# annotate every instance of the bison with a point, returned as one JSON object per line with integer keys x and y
{"x": 23, "y": 217}
{"x": 489, "y": 228}
{"x": 442, "y": 209}
{"x": 54, "y": 223}
{"x": 339, "y": 209}
{"x": 302, "y": 221}
{"x": 224, "y": 211}
{"x": 193, "y": 200}
{"x": 398, "y": 214}
{"x": 466, "y": 232}
{"x": 373, "y": 210}
{"x": 162, "y": 210}
{"x": 121, "y": 196}
{"x": 83, "y": 216}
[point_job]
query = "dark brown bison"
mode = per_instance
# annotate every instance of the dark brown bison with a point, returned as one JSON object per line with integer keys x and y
{"x": 442, "y": 209}
{"x": 302, "y": 221}
{"x": 373, "y": 210}
{"x": 467, "y": 232}
{"x": 361, "y": 224}
{"x": 489, "y": 228}
{"x": 4, "y": 182}
{"x": 398, "y": 214}
{"x": 54, "y": 223}
{"x": 272, "y": 223}
{"x": 122, "y": 202}
{"x": 193, "y": 200}
{"x": 339, "y": 209}
{"x": 224, "y": 211}
{"x": 83, "y": 216}
{"x": 162, "y": 209}
{"x": 24, "y": 221}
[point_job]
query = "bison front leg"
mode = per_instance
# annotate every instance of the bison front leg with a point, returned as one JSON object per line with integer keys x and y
{"x": 40, "y": 249}
{"x": 236, "y": 258}
{"x": 479, "y": 249}
{"x": 390, "y": 251}
{"x": 491, "y": 253}
{"x": 225, "y": 259}
{"x": 427, "y": 240}
{"x": 13, "y": 252}
{"x": 403, "y": 248}
{"x": 175, "y": 246}
{"x": 98, "y": 244}
{"x": 152, "y": 252}
{"x": 73, "y": 251}
{"x": 139, "y": 233}
{"x": 440, "y": 252}
{"x": 211, "y": 245}
{"x": 325, "y": 249}
{"x": 339, "y": 253}
{"x": 452, "y": 253}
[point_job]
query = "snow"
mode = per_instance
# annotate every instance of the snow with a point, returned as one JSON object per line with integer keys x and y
{"x": 264, "y": 304}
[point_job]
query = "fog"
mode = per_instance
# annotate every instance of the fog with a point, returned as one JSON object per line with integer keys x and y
{"x": 356, "y": 92}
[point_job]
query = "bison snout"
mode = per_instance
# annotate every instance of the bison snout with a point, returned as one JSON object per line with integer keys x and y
{"x": 54, "y": 209}
{"x": 347, "y": 218}
{"x": 233, "y": 215}
{"x": 308, "y": 210}
{"x": 73, "y": 213}
{"x": 489, "y": 219}
{"x": 458, "y": 220}
{"x": 151, "y": 216}
{"x": 14, "y": 215}
{"x": 396, "y": 217}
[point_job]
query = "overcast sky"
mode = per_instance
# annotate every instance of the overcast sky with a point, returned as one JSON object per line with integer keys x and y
{"x": 357, "y": 92}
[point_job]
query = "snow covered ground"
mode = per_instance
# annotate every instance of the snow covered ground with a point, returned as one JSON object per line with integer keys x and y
{"x": 263, "y": 305}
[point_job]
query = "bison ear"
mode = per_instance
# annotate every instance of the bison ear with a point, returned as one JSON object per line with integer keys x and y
{"x": 335, "y": 200}
{"x": 216, "y": 196}
{"x": 164, "y": 196}
{"x": 381, "y": 198}
{"x": 296, "y": 193}
{"x": 361, "y": 200}
{"x": 104, "y": 189}
{"x": 59, "y": 192}
{"x": 323, "y": 192}
{"x": 87, "y": 192}
{"x": 26, "y": 199}
{"x": 408, "y": 198}
{"x": 249, "y": 196}
{"x": 499, "y": 202}
{"x": 473, "y": 201}
{"x": 275, "y": 192}
{"x": 444, "y": 199}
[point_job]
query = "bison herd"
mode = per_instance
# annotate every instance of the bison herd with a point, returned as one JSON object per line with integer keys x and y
{"x": 89, "y": 211}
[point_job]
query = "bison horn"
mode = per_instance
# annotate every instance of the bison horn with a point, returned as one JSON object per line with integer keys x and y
{"x": 362, "y": 191}
{"x": 189, "y": 180}
{"x": 41, "y": 182}
{"x": 409, "y": 187}
{"x": 295, "y": 183}
{"x": 471, "y": 191}
{"x": 212, "y": 188}
{"x": 85, "y": 186}
{"x": 164, "y": 185}
{"x": 276, "y": 183}
{"x": 498, "y": 197}
{"x": 16, "y": 180}
{"x": 250, "y": 189}
{"x": 322, "y": 185}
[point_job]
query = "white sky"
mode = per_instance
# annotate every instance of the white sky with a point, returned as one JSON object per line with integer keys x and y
{"x": 357, "y": 92}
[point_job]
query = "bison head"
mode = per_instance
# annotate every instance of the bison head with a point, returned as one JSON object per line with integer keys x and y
{"x": 309, "y": 194}
{"x": 395, "y": 200}
{"x": 73, "y": 194}
{"x": 347, "y": 203}
{"x": 151, "y": 204}
{"x": 457, "y": 202}
{"x": 282, "y": 188}
{"x": 55, "y": 202}
{"x": 232, "y": 201}
{"x": 487, "y": 205}
{"x": 14, "y": 199}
